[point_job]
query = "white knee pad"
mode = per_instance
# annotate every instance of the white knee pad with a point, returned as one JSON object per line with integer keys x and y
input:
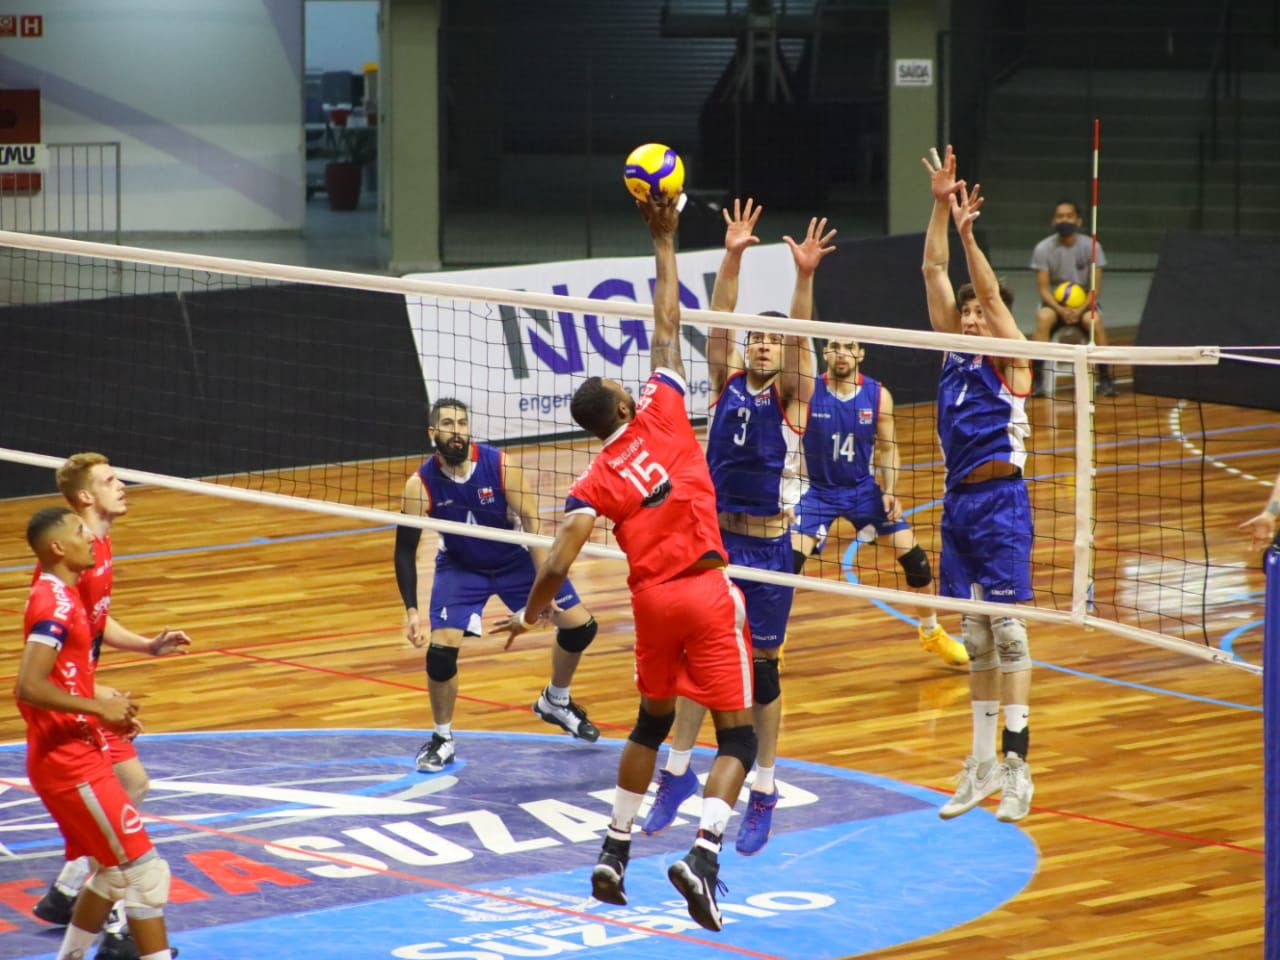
{"x": 975, "y": 629}
{"x": 107, "y": 882}
{"x": 148, "y": 890}
{"x": 1012, "y": 644}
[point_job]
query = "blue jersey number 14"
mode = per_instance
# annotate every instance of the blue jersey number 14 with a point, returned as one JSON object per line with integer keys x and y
{"x": 842, "y": 448}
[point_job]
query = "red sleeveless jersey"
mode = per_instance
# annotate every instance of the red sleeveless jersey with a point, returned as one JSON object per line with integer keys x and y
{"x": 651, "y": 479}
{"x": 62, "y": 748}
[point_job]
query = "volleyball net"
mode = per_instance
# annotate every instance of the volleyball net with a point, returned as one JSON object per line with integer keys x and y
{"x": 311, "y": 389}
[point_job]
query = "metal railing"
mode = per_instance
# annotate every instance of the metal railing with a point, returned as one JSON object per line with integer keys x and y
{"x": 78, "y": 194}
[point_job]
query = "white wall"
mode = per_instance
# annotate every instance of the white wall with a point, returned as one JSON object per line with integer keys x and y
{"x": 204, "y": 95}
{"x": 341, "y": 34}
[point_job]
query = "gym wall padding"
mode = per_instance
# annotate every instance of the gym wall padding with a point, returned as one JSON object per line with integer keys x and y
{"x": 1213, "y": 290}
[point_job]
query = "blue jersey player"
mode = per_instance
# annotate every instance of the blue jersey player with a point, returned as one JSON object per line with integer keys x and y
{"x": 473, "y": 483}
{"x": 848, "y": 438}
{"x": 753, "y": 449}
{"x": 986, "y": 518}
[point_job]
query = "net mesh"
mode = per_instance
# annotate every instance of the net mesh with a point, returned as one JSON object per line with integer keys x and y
{"x": 271, "y": 383}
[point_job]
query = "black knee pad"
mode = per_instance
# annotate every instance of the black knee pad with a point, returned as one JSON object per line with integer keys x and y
{"x": 442, "y": 662}
{"x": 798, "y": 558}
{"x": 577, "y": 639}
{"x": 766, "y": 687}
{"x": 739, "y": 743}
{"x": 915, "y": 564}
{"x": 649, "y": 730}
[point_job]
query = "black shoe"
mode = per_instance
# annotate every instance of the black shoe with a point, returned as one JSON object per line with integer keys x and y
{"x": 119, "y": 945}
{"x": 436, "y": 754}
{"x": 1106, "y": 387}
{"x": 571, "y": 718}
{"x": 606, "y": 876}
{"x": 697, "y": 879}
{"x": 55, "y": 906}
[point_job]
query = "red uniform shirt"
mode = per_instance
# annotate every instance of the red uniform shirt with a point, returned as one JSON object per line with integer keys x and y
{"x": 651, "y": 479}
{"x": 94, "y": 586}
{"x": 61, "y": 747}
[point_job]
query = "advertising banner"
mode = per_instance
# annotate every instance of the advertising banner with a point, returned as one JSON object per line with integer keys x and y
{"x": 517, "y": 368}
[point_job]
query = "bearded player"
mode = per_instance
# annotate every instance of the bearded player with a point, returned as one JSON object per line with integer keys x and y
{"x": 473, "y": 483}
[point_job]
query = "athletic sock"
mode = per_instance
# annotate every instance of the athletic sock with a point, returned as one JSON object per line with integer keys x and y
{"x": 678, "y": 761}
{"x": 986, "y": 717}
{"x": 764, "y": 780}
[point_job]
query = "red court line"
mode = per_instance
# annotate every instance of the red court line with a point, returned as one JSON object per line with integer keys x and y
{"x": 235, "y": 652}
{"x": 400, "y": 684}
{"x": 443, "y": 885}
{"x": 1107, "y": 822}
{"x": 1156, "y": 831}
{"x": 122, "y": 661}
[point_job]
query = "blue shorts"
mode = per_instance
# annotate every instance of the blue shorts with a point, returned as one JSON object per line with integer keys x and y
{"x": 768, "y": 606}
{"x": 986, "y": 540}
{"x": 458, "y": 593}
{"x": 862, "y": 506}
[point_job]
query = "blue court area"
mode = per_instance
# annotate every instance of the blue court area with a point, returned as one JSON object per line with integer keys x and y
{"x": 330, "y": 845}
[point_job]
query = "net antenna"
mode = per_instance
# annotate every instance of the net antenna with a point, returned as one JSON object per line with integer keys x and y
{"x": 51, "y": 279}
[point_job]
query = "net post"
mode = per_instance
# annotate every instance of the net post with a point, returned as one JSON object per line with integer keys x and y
{"x": 1271, "y": 748}
{"x": 1082, "y": 547}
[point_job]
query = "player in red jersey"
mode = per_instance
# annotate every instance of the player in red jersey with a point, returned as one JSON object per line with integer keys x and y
{"x": 651, "y": 479}
{"x": 67, "y": 753}
{"x": 98, "y": 497}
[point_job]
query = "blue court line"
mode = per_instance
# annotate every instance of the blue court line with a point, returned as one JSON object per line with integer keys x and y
{"x": 1228, "y": 642}
{"x": 1147, "y": 688}
{"x": 208, "y": 548}
{"x": 851, "y": 575}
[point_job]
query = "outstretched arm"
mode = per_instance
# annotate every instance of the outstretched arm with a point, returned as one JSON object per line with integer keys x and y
{"x": 664, "y": 348}
{"x": 552, "y": 573}
{"x": 798, "y": 365}
{"x": 965, "y": 209}
{"x": 739, "y": 234}
{"x": 937, "y": 254}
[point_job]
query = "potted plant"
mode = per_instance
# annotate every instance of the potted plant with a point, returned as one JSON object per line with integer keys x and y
{"x": 353, "y": 149}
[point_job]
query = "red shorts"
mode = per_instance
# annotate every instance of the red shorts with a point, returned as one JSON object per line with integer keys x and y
{"x": 118, "y": 748}
{"x": 97, "y": 820}
{"x": 692, "y": 641}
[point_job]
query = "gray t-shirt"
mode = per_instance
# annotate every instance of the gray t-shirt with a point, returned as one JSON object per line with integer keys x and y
{"x": 1065, "y": 263}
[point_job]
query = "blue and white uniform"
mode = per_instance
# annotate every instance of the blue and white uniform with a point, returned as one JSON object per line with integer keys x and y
{"x": 468, "y": 570}
{"x": 986, "y": 526}
{"x": 839, "y": 439}
{"x": 754, "y": 453}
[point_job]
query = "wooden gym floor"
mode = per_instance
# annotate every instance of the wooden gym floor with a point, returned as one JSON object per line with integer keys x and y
{"x": 1147, "y": 764}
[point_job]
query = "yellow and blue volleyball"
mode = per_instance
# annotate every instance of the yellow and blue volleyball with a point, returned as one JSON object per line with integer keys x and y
{"x": 655, "y": 171}
{"x": 1070, "y": 295}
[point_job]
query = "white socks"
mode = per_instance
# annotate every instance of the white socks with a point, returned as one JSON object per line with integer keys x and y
{"x": 1016, "y": 716}
{"x": 986, "y": 718}
{"x": 678, "y": 761}
{"x": 715, "y": 816}
{"x": 763, "y": 782}
{"x": 625, "y": 807}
